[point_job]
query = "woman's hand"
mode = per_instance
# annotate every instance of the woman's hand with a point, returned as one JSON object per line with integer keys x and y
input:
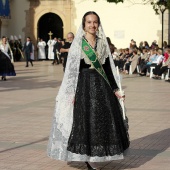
{"x": 73, "y": 101}
{"x": 120, "y": 95}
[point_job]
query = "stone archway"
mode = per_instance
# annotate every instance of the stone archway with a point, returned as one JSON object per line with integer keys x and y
{"x": 50, "y": 22}
{"x": 41, "y": 12}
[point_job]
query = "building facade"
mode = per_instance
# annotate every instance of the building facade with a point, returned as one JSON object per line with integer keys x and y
{"x": 121, "y": 22}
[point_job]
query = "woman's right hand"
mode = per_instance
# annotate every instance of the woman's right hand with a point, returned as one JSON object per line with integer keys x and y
{"x": 73, "y": 101}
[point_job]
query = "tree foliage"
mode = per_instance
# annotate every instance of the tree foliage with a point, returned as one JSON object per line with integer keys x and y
{"x": 156, "y": 4}
{"x": 160, "y": 6}
{"x": 114, "y": 1}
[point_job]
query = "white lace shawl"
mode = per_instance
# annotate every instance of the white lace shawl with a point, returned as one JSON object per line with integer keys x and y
{"x": 63, "y": 115}
{"x": 101, "y": 53}
{"x": 4, "y": 49}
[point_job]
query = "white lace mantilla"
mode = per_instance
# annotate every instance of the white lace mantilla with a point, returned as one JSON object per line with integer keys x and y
{"x": 4, "y": 49}
{"x": 63, "y": 113}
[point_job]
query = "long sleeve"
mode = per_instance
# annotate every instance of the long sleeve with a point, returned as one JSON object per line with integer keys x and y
{"x": 31, "y": 47}
{"x": 109, "y": 74}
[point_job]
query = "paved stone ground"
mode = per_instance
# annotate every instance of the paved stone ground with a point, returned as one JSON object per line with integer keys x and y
{"x": 26, "y": 109}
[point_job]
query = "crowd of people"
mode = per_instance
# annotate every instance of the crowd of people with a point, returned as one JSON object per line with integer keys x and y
{"x": 140, "y": 59}
{"x": 131, "y": 60}
{"x": 57, "y": 49}
{"x": 12, "y": 50}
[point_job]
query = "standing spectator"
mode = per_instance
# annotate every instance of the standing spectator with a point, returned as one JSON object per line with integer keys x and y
{"x": 65, "y": 49}
{"x": 28, "y": 51}
{"x": 18, "y": 45}
{"x": 58, "y": 50}
{"x": 55, "y": 50}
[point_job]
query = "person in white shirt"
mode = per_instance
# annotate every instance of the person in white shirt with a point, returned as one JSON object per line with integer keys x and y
{"x": 41, "y": 49}
{"x": 50, "y": 49}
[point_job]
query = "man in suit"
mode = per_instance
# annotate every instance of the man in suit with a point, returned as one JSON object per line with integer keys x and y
{"x": 55, "y": 50}
{"x": 28, "y": 51}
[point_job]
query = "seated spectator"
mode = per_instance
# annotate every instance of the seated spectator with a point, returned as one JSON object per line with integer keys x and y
{"x": 121, "y": 51}
{"x": 154, "y": 45}
{"x": 133, "y": 45}
{"x": 157, "y": 61}
{"x": 165, "y": 45}
{"x": 132, "y": 62}
{"x": 123, "y": 58}
{"x": 152, "y": 57}
{"x": 146, "y": 45}
{"x": 165, "y": 65}
{"x": 141, "y": 46}
{"x": 143, "y": 59}
{"x": 114, "y": 54}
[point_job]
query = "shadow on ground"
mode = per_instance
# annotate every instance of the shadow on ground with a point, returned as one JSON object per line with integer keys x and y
{"x": 140, "y": 152}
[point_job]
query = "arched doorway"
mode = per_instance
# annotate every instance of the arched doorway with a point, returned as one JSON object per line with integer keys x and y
{"x": 50, "y": 22}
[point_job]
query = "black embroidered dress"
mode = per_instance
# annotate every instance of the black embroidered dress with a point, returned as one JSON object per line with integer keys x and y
{"x": 98, "y": 127}
{"x": 92, "y": 129}
{"x": 6, "y": 67}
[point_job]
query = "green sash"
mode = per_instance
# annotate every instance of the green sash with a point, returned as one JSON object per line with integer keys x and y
{"x": 92, "y": 56}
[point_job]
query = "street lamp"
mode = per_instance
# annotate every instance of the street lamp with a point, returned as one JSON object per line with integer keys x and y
{"x": 162, "y": 4}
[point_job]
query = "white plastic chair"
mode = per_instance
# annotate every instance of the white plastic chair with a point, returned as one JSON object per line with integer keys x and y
{"x": 137, "y": 68}
{"x": 151, "y": 71}
{"x": 130, "y": 70}
{"x": 167, "y": 75}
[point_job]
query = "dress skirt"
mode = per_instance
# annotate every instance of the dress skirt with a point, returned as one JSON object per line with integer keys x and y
{"x": 98, "y": 128}
{"x": 97, "y": 132}
{"x": 6, "y": 67}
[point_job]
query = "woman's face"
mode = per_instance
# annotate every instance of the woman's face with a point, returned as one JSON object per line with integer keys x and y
{"x": 91, "y": 24}
{"x": 4, "y": 40}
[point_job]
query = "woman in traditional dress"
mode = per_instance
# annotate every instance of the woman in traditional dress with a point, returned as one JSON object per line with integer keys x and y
{"x": 6, "y": 67}
{"x": 88, "y": 125}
